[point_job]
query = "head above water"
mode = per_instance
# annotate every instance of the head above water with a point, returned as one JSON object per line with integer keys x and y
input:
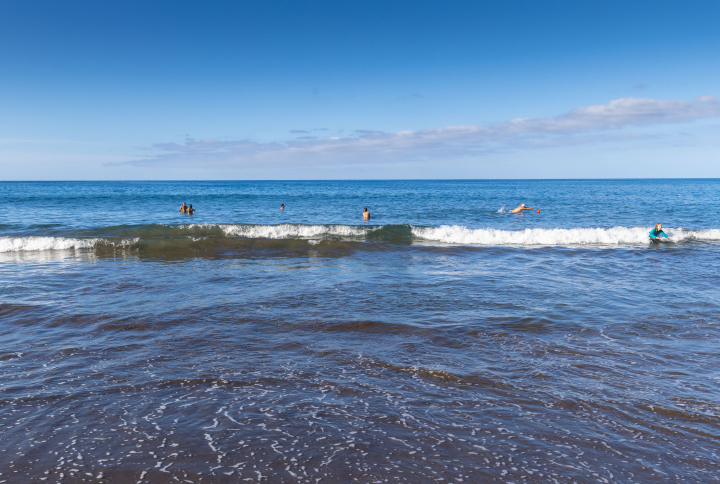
{"x": 365, "y": 209}
{"x": 658, "y": 227}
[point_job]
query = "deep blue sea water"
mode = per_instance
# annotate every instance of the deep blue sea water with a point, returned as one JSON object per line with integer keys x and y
{"x": 444, "y": 340}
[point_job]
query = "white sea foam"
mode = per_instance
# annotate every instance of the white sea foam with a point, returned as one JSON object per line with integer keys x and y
{"x": 446, "y": 234}
{"x": 708, "y": 234}
{"x": 32, "y": 244}
{"x": 458, "y": 234}
{"x": 291, "y": 231}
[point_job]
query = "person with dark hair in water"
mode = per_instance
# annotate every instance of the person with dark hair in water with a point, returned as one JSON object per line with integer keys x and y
{"x": 282, "y": 206}
{"x": 366, "y": 215}
{"x": 190, "y": 210}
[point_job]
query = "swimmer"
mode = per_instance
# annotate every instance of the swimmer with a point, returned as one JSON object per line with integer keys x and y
{"x": 190, "y": 210}
{"x": 520, "y": 209}
{"x": 282, "y": 206}
{"x": 657, "y": 231}
{"x": 183, "y": 208}
{"x": 366, "y": 215}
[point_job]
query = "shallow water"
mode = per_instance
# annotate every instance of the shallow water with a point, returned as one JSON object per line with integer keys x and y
{"x": 444, "y": 341}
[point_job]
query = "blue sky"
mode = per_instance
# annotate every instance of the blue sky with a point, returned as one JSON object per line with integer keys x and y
{"x": 359, "y": 89}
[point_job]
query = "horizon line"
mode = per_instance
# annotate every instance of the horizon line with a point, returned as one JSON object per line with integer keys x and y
{"x": 356, "y": 179}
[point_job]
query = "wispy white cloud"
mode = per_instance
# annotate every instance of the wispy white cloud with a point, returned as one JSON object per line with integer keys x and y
{"x": 588, "y": 124}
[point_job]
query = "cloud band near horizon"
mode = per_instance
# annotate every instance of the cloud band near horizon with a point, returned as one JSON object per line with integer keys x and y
{"x": 580, "y": 125}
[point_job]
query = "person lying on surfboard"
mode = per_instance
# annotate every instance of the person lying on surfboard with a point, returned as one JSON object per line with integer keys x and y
{"x": 657, "y": 231}
{"x": 520, "y": 209}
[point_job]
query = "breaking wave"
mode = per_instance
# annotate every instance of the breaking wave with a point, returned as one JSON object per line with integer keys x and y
{"x": 169, "y": 237}
{"x": 30, "y": 244}
{"x": 457, "y": 234}
{"x": 293, "y": 231}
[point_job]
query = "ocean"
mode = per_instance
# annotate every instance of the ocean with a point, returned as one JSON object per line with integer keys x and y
{"x": 446, "y": 340}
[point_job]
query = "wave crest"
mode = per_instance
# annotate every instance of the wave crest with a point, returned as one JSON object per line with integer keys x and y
{"x": 31, "y": 244}
{"x": 295, "y": 231}
{"x": 458, "y": 234}
{"x": 162, "y": 238}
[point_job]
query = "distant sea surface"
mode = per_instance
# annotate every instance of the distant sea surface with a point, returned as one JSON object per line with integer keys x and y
{"x": 446, "y": 340}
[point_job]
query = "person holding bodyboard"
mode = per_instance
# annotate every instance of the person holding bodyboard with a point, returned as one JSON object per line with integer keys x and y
{"x": 657, "y": 232}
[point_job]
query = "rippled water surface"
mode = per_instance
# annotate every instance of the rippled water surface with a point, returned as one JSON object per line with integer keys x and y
{"x": 447, "y": 340}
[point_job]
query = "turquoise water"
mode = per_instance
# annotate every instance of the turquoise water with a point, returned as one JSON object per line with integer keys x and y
{"x": 470, "y": 203}
{"x": 446, "y": 339}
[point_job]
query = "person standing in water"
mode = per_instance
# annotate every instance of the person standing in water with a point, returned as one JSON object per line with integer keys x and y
{"x": 282, "y": 206}
{"x": 520, "y": 208}
{"x": 657, "y": 231}
{"x": 366, "y": 215}
{"x": 183, "y": 208}
{"x": 190, "y": 210}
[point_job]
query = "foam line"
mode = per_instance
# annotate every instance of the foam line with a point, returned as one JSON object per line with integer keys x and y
{"x": 30, "y": 244}
{"x": 292, "y": 231}
{"x": 446, "y": 234}
{"x": 458, "y": 234}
